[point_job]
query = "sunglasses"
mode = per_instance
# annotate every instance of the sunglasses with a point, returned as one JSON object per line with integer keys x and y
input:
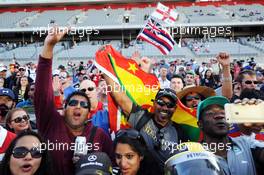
{"x": 89, "y": 89}
{"x": 250, "y": 82}
{"x": 130, "y": 133}
{"x": 163, "y": 103}
{"x": 20, "y": 119}
{"x": 21, "y": 69}
{"x": 21, "y": 152}
{"x": 62, "y": 77}
{"x": 190, "y": 98}
{"x": 83, "y": 104}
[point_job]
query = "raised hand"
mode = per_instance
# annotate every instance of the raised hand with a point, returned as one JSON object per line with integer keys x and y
{"x": 223, "y": 59}
{"x": 54, "y": 36}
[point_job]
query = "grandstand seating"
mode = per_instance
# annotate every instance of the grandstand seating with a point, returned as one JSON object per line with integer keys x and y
{"x": 137, "y": 16}
{"x": 210, "y": 49}
{"x": 26, "y": 53}
{"x": 257, "y": 44}
{"x": 254, "y": 12}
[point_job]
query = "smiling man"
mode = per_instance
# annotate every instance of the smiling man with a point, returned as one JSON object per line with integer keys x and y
{"x": 157, "y": 129}
{"x": 62, "y": 130}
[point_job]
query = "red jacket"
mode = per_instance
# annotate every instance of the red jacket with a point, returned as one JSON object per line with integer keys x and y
{"x": 52, "y": 127}
{"x": 6, "y": 138}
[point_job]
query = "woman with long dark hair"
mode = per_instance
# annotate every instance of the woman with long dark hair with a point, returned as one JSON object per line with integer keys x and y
{"x": 131, "y": 154}
{"x": 27, "y": 154}
{"x": 208, "y": 79}
{"x": 21, "y": 89}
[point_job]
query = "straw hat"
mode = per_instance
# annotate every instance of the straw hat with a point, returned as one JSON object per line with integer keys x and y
{"x": 202, "y": 90}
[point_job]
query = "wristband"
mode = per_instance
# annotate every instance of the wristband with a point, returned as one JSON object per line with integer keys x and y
{"x": 227, "y": 78}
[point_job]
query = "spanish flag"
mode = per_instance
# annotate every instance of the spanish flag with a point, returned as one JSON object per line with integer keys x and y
{"x": 140, "y": 87}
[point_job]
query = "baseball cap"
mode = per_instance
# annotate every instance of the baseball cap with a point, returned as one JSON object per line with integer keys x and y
{"x": 214, "y": 100}
{"x": 167, "y": 92}
{"x": 94, "y": 163}
{"x": 3, "y": 68}
{"x": 7, "y": 92}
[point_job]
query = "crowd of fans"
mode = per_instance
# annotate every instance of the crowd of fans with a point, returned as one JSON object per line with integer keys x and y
{"x": 40, "y": 106}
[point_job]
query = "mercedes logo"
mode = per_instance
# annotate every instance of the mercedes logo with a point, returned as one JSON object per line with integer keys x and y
{"x": 92, "y": 158}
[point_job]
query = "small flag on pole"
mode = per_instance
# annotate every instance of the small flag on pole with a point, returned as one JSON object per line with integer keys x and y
{"x": 165, "y": 14}
{"x": 158, "y": 36}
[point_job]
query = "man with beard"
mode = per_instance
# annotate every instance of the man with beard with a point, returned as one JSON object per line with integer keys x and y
{"x": 240, "y": 155}
{"x": 7, "y": 98}
{"x": 7, "y": 103}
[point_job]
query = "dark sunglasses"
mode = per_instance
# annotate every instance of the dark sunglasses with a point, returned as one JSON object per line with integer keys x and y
{"x": 130, "y": 133}
{"x": 21, "y": 118}
{"x": 83, "y": 104}
{"x": 163, "y": 103}
{"x": 62, "y": 77}
{"x": 89, "y": 89}
{"x": 250, "y": 82}
{"x": 21, "y": 152}
{"x": 21, "y": 69}
{"x": 190, "y": 98}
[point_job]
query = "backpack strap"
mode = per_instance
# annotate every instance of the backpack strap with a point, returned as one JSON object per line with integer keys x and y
{"x": 92, "y": 135}
{"x": 142, "y": 121}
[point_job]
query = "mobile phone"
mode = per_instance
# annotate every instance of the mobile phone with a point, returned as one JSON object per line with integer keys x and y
{"x": 238, "y": 113}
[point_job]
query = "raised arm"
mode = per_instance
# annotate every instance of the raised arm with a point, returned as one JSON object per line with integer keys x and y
{"x": 224, "y": 61}
{"x": 44, "y": 97}
{"x": 119, "y": 96}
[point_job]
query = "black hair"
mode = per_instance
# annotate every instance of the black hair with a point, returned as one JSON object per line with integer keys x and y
{"x": 139, "y": 146}
{"x": 45, "y": 165}
{"x": 78, "y": 93}
{"x": 183, "y": 100}
{"x": 178, "y": 76}
{"x": 242, "y": 74}
{"x": 251, "y": 93}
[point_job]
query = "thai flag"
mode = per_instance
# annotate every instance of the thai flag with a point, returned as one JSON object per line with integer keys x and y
{"x": 165, "y": 14}
{"x": 158, "y": 36}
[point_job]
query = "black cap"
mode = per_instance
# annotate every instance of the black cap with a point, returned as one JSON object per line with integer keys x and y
{"x": 94, "y": 163}
{"x": 167, "y": 92}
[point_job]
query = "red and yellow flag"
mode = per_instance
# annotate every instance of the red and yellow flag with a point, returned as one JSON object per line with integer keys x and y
{"x": 139, "y": 86}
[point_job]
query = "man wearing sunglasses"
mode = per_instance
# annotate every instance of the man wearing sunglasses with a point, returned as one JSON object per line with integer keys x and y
{"x": 191, "y": 96}
{"x": 157, "y": 129}
{"x": 89, "y": 88}
{"x": 64, "y": 129}
{"x": 246, "y": 79}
